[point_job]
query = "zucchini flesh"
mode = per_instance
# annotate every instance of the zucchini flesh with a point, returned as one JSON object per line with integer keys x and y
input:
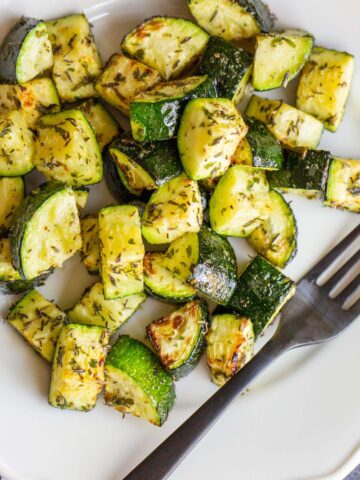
{"x": 169, "y": 45}
{"x": 174, "y": 209}
{"x": 81, "y": 196}
{"x": 179, "y": 337}
{"x": 90, "y": 248}
{"x": 94, "y": 309}
{"x": 325, "y": 85}
{"x": 182, "y": 256}
{"x": 136, "y": 382}
{"x": 11, "y": 194}
{"x": 121, "y": 251}
{"x": 209, "y": 133}
{"x": 122, "y": 79}
{"x": 67, "y": 150}
{"x": 279, "y": 57}
{"x": 77, "y": 374}
{"x": 261, "y": 292}
{"x": 343, "y": 185}
{"x": 25, "y": 52}
{"x": 230, "y": 345}
{"x": 76, "y": 60}
{"x": 38, "y": 321}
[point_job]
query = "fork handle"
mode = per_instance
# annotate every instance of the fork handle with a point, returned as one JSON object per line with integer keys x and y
{"x": 172, "y": 451}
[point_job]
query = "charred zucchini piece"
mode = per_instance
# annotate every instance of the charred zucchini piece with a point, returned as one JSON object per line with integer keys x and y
{"x": 115, "y": 183}
{"x": 230, "y": 345}
{"x": 232, "y": 19}
{"x": 229, "y": 66}
{"x": 156, "y": 113}
{"x": 174, "y": 209}
{"x": 137, "y": 383}
{"x": 210, "y": 130}
{"x": 325, "y": 84}
{"x": 343, "y": 185}
{"x": 122, "y": 79}
{"x": 90, "y": 248}
{"x": 81, "y": 196}
{"x": 179, "y": 337}
{"x": 94, "y": 309}
{"x": 67, "y": 150}
{"x": 182, "y": 256}
{"x": 279, "y": 57}
{"x": 76, "y": 60}
{"x": 261, "y": 292}
{"x": 25, "y": 52}
{"x": 45, "y": 231}
{"x": 38, "y": 321}
{"x": 167, "y": 44}
{"x": 121, "y": 251}
{"x": 77, "y": 374}
{"x": 11, "y": 194}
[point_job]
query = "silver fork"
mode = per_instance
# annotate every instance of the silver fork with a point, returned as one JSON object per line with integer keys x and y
{"x": 310, "y": 317}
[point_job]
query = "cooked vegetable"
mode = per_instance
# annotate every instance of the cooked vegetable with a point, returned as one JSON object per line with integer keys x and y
{"x": 343, "y": 185}
{"x": 94, "y": 309}
{"x": 230, "y": 345}
{"x": 279, "y": 57}
{"x": 182, "y": 256}
{"x": 122, "y": 79}
{"x": 209, "y": 133}
{"x": 25, "y": 52}
{"x": 12, "y": 195}
{"x": 136, "y": 382}
{"x": 156, "y": 113}
{"x": 229, "y": 66}
{"x": 121, "y": 250}
{"x": 77, "y": 374}
{"x": 174, "y": 209}
{"x": 169, "y": 45}
{"x": 232, "y": 19}
{"x": 179, "y": 337}
{"x": 81, "y": 196}
{"x": 45, "y": 231}
{"x": 38, "y": 321}
{"x": 90, "y": 248}
{"x": 325, "y": 84}
{"x": 67, "y": 150}
{"x": 261, "y": 292}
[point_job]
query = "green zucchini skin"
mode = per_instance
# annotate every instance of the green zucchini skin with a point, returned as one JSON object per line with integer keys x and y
{"x": 13, "y": 287}
{"x": 266, "y": 150}
{"x": 260, "y": 11}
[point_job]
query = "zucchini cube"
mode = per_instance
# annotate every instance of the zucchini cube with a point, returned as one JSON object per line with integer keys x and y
{"x": 12, "y": 192}
{"x": 90, "y": 248}
{"x": 343, "y": 185}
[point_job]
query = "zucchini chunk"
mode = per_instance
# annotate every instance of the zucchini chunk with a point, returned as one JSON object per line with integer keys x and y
{"x": 182, "y": 256}
{"x": 230, "y": 345}
{"x": 156, "y": 113}
{"x": 94, "y": 309}
{"x": 179, "y": 337}
{"x": 174, "y": 209}
{"x": 162, "y": 283}
{"x": 122, "y": 79}
{"x": 232, "y": 19}
{"x": 67, "y": 150}
{"x": 275, "y": 239}
{"x": 45, "y": 231}
{"x": 137, "y": 383}
{"x": 38, "y": 321}
{"x": 215, "y": 272}
{"x": 302, "y": 172}
{"x": 121, "y": 251}
{"x": 76, "y": 60}
{"x": 25, "y": 52}
{"x": 81, "y": 196}
{"x": 230, "y": 66}
{"x": 236, "y": 206}
{"x": 279, "y": 57}
{"x": 261, "y": 292}
{"x": 167, "y": 44}
{"x": 90, "y": 248}
{"x": 77, "y": 374}
{"x": 343, "y": 185}
{"x": 325, "y": 85}
{"x": 12, "y": 193}
{"x": 209, "y": 133}
{"x": 33, "y": 99}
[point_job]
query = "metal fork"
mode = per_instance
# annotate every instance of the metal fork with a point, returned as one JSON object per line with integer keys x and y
{"x": 310, "y": 317}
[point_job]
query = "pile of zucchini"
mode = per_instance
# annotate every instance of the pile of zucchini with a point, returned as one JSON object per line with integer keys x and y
{"x": 190, "y": 172}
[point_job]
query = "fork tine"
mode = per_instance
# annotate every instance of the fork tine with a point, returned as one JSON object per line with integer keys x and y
{"x": 348, "y": 291}
{"x": 341, "y": 273}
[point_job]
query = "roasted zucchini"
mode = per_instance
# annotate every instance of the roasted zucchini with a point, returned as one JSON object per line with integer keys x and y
{"x": 137, "y": 383}
{"x": 81, "y": 196}
{"x": 77, "y": 374}
{"x": 169, "y": 45}
{"x": 90, "y": 248}
{"x": 12, "y": 195}
{"x": 182, "y": 256}
{"x": 179, "y": 337}
{"x": 343, "y": 185}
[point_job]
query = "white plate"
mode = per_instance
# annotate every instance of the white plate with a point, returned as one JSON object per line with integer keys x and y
{"x": 300, "y": 420}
